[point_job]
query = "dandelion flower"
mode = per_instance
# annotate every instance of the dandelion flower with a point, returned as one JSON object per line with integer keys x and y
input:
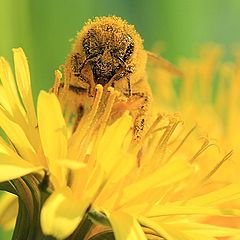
{"x": 95, "y": 182}
{"x": 155, "y": 184}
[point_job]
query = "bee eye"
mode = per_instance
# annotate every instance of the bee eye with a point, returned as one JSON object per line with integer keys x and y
{"x": 91, "y": 45}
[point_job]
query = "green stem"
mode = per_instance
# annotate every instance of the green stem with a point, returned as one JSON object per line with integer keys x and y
{"x": 30, "y": 201}
{"x": 25, "y": 212}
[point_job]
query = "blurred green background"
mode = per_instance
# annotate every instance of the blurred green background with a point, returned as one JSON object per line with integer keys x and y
{"x": 44, "y": 28}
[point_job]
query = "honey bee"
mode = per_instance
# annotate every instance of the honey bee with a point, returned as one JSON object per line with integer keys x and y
{"x": 109, "y": 51}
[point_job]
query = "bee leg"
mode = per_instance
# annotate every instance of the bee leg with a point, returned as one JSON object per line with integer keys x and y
{"x": 124, "y": 72}
{"x": 76, "y": 63}
{"x": 77, "y": 66}
{"x": 129, "y": 87}
{"x": 140, "y": 115}
{"x": 72, "y": 69}
{"x": 79, "y": 114}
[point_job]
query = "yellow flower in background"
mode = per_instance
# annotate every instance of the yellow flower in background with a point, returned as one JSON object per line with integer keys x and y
{"x": 208, "y": 96}
{"x": 97, "y": 181}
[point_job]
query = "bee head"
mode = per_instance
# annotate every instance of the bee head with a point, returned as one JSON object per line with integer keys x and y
{"x": 108, "y": 45}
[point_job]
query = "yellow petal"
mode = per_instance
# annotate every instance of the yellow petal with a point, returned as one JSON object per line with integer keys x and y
{"x": 3, "y": 100}
{"x": 5, "y": 148}
{"x": 13, "y": 167}
{"x": 9, "y": 85}
{"x": 52, "y": 126}
{"x": 208, "y": 230}
{"x": 184, "y": 229}
{"x": 226, "y": 194}
{"x": 17, "y": 137}
{"x": 89, "y": 179}
{"x": 11, "y": 94}
{"x": 24, "y": 84}
{"x": 198, "y": 231}
{"x": 8, "y": 210}
{"x": 125, "y": 227}
{"x": 173, "y": 209}
{"x": 158, "y": 228}
{"x": 70, "y": 164}
{"x": 169, "y": 173}
{"x": 111, "y": 143}
{"x": 61, "y": 213}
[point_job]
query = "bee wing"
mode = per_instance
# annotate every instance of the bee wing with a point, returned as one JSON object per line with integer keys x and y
{"x": 164, "y": 63}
